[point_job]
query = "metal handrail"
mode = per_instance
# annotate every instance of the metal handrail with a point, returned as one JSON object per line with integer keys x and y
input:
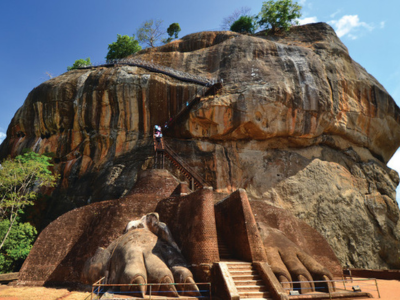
{"x": 342, "y": 281}
{"x": 98, "y": 284}
{"x": 171, "y": 154}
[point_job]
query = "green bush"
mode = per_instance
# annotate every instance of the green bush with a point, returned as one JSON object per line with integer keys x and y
{"x": 17, "y": 246}
{"x": 123, "y": 47}
{"x": 245, "y": 24}
{"x": 80, "y": 63}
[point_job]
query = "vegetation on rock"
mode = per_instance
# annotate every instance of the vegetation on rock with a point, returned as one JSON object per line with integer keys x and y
{"x": 172, "y": 31}
{"x": 245, "y": 24}
{"x": 151, "y": 32}
{"x": 229, "y": 20}
{"x": 279, "y": 14}
{"x": 17, "y": 246}
{"x": 20, "y": 179}
{"x": 123, "y": 47}
{"x": 79, "y": 63}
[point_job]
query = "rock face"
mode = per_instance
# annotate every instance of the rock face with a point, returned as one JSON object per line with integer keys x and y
{"x": 298, "y": 124}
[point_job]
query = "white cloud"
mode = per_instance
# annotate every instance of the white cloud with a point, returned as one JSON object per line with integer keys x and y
{"x": 307, "y": 20}
{"x": 302, "y": 2}
{"x": 394, "y": 163}
{"x": 2, "y": 137}
{"x": 350, "y": 26}
{"x": 382, "y": 24}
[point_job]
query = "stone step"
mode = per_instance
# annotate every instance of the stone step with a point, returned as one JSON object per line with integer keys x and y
{"x": 243, "y": 272}
{"x": 239, "y": 283}
{"x": 246, "y": 277}
{"x": 255, "y": 295}
{"x": 240, "y": 267}
{"x": 251, "y": 288}
{"x": 265, "y": 298}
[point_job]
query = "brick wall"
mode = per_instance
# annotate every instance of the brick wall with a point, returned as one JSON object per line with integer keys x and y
{"x": 236, "y": 223}
{"x": 191, "y": 220}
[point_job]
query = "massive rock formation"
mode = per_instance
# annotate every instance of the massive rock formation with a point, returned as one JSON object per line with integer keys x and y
{"x": 298, "y": 124}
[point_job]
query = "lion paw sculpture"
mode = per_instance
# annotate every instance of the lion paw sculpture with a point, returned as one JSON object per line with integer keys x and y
{"x": 145, "y": 253}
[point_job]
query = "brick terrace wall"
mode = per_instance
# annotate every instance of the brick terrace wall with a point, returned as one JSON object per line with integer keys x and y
{"x": 379, "y": 274}
{"x": 235, "y": 221}
{"x": 191, "y": 220}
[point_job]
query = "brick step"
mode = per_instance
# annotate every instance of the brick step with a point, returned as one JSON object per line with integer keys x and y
{"x": 255, "y": 295}
{"x": 223, "y": 248}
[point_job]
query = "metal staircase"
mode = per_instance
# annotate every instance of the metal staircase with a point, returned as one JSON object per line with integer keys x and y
{"x": 195, "y": 180}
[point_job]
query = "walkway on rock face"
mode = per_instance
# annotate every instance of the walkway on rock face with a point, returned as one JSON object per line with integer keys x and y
{"x": 183, "y": 76}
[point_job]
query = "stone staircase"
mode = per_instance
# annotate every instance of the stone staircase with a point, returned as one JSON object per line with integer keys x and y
{"x": 248, "y": 281}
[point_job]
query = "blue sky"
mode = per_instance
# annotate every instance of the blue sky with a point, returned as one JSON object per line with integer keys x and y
{"x": 45, "y": 36}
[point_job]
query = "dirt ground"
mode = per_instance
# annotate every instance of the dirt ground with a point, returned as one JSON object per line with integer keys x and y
{"x": 40, "y": 293}
{"x": 389, "y": 290}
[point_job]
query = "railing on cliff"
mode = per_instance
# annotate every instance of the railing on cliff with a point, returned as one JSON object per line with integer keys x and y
{"x": 183, "y": 76}
{"x": 195, "y": 179}
{"x": 161, "y": 150}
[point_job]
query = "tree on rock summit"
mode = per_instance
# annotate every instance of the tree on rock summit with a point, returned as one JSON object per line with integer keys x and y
{"x": 151, "y": 32}
{"x": 123, "y": 47}
{"x": 229, "y": 20}
{"x": 245, "y": 24}
{"x": 279, "y": 14}
{"x": 172, "y": 31}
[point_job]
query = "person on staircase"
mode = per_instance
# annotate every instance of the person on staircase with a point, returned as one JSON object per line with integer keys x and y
{"x": 158, "y": 134}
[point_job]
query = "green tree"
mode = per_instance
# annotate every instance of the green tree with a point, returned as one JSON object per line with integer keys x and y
{"x": 80, "y": 63}
{"x": 151, "y": 32}
{"x": 172, "y": 31}
{"x": 17, "y": 246}
{"x": 20, "y": 180}
{"x": 229, "y": 20}
{"x": 279, "y": 14}
{"x": 244, "y": 24}
{"x": 123, "y": 47}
